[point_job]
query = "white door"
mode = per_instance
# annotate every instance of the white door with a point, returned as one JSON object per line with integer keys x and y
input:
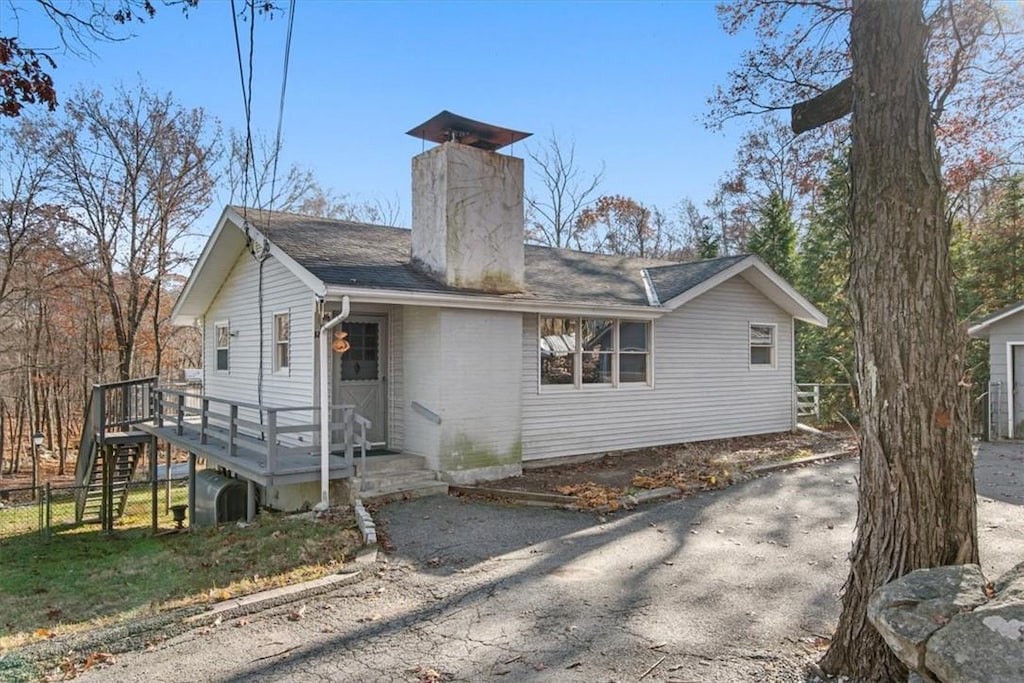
{"x": 360, "y": 374}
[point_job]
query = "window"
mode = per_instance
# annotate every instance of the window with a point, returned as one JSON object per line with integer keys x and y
{"x": 762, "y": 345}
{"x": 282, "y": 345}
{"x": 222, "y": 339}
{"x": 594, "y": 351}
{"x": 362, "y": 360}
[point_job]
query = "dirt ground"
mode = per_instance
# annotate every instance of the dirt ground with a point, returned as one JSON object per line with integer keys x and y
{"x": 49, "y": 471}
{"x": 689, "y": 466}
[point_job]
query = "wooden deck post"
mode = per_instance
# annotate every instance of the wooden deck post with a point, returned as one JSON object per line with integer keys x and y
{"x": 181, "y": 414}
{"x": 271, "y": 439}
{"x": 232, "y": 429}
{"x": 191, "y": 490}
{"x": 250, "y": 500}
{"x": 204, "y": 420}
{"x": 154, "y": 486}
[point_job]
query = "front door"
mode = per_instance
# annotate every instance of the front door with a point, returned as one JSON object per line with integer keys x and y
{"x": 360, "y": 373}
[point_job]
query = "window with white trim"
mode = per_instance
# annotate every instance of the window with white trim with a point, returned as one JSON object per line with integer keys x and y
{"x": 577, "y": 351}
{"x": 762, "y": 345}
{"x": 282, "y": 341}
{"x": 222, "y": 343}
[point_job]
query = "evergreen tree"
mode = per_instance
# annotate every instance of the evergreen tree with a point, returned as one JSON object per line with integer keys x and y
{"x": 774, "y": 239}
{"x": 827, "y": 355}
{"x": 706, "y": 242}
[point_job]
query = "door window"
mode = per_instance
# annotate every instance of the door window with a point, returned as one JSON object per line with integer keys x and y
{"x": 361, "y": 361}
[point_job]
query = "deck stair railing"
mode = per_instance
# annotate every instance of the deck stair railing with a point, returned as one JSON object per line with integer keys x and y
{"x": 111, "y": 448}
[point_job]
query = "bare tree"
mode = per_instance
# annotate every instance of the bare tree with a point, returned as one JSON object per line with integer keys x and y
{"x": 565, "y": 191}
{"x": 251, "y": 182}
{"x": 77, "y": 26}
{"x": 135, "y": 171}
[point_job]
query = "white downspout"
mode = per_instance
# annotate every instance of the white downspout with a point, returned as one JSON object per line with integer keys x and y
{"x": 325, "y": 408}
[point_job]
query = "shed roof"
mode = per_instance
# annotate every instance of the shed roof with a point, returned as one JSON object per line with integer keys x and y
{"x": 981, "y": 328}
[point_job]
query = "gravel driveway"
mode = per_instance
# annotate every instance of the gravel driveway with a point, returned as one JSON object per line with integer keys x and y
{"x": 728, "y": 585}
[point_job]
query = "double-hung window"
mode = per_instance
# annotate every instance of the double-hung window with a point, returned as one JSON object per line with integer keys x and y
{"x": 762, "y": 345}
{"x": 282, "y": 341}
{"x": 578, "y": 352}
{"x": 222, "y": 342}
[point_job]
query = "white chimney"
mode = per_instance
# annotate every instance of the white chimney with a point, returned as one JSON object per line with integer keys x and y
{"x": 467, "y": 205}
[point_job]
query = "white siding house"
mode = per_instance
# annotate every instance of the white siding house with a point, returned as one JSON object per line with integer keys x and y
{"x": 1004, "y": 330}
{"x": 703, "y": 385}
{"x": 477, "y": 353}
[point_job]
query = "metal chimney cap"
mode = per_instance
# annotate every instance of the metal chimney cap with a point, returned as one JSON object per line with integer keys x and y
{"x": 449, "y": 127}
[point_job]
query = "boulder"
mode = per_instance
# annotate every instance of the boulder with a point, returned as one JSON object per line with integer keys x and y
{"x": 908, "y": 611}
{"x": 986, "y": 645}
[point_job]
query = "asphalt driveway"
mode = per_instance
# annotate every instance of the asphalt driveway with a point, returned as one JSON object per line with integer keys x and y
{"x": 728, "y": 585}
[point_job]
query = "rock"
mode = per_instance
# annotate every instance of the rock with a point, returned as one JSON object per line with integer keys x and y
{"x": 1011, "y": 584}
{"x": 984, "y": 645}
{"x": 909, "y": 610}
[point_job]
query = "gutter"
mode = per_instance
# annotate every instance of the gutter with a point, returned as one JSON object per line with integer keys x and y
{"x": 492, "y": 303}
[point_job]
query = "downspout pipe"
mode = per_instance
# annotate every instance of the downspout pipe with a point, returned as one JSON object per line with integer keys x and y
{"x": 325, "y": 408}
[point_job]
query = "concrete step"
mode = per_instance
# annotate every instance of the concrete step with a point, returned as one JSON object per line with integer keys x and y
{"x": 424, "y": 488}
{"x": 385, "y": 464}
{"x": 395, "y": 481}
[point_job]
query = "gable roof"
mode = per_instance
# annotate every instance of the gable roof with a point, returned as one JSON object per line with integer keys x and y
{"x": 334, "y": 256}
{"x": 980, "y": 329}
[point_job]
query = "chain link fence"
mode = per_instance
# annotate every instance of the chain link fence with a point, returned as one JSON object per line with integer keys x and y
{"x": 140, "y": 508}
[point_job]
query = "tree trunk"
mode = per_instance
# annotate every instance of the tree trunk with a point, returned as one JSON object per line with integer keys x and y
{"x": 917, "y": 504}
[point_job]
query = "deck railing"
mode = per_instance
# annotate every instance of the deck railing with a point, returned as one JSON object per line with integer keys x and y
{"x": 239, "y": 427}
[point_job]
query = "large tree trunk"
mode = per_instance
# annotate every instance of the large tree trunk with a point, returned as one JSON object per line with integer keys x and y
{"x": 917, "y": 505}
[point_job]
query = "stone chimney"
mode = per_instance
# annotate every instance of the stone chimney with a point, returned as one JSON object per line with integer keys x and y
{"x": 467, "y": 205}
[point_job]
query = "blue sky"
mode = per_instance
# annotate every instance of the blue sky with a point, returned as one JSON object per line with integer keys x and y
{"x": 628, "y": 81}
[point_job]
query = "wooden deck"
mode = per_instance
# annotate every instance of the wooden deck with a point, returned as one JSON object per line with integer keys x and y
{"x": 270, "y": 446}
{"x": 251, "y": 461}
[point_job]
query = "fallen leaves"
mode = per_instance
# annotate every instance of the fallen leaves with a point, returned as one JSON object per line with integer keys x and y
{"x": 591, "y": 496}
{"x": 70, "y": 667}
{"x": 430, "y": 675}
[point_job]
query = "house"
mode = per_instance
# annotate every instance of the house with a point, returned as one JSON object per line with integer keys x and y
{"x": 1004, "y": 331}
{"x": 463, "y": 346}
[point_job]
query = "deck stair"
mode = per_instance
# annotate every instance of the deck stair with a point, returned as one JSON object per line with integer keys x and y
{"x": 111, "y": 448}
{"x": 396, "y": 476}
{"x": 125, "y": 459}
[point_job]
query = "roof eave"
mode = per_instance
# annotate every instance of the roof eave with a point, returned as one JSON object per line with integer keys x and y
{"x": 195, "y": 299}
{"x": 490, "y": 302}
{"x": 767, "y": 281}
{"x": 981, "y": 331}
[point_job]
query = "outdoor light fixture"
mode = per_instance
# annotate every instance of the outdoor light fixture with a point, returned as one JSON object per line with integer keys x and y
{"x": 37, "y": 441}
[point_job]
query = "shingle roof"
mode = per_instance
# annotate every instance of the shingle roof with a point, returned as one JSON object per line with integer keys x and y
{"x": 377, "y": 257}
{"x": 980, "y": 328}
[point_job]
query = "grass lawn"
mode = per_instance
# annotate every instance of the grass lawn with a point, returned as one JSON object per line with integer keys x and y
{"x": 83, "y": 579}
